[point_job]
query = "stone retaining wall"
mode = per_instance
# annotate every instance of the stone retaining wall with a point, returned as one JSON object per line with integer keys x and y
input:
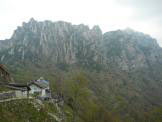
{"x": 7, "y": 95}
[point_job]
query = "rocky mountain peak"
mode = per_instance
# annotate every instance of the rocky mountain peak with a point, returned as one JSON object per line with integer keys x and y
{"x": 96, "y": 28}
{"x": 63, "y": 43}
{"x": 131, "y": 49}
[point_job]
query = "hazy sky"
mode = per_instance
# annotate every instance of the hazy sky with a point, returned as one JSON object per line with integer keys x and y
{"x": 140, "y": 15}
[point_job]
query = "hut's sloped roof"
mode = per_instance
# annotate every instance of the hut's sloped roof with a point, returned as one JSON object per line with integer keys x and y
{"x": 40, "y": 83}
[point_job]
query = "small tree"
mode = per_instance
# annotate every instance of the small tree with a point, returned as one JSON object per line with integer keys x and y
{"x": 76, "y": 91}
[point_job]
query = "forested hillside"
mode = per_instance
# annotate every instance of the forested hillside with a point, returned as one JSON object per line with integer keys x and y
{"x": 113, "y": 76}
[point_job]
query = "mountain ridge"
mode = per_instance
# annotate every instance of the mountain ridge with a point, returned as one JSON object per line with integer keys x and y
{"x": 62, "y": 42}
{"x": 124, "y": 67}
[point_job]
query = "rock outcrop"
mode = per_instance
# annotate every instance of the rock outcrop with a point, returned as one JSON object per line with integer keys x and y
{"x": 131, "y": 50}
{"x": 66, "y": 44}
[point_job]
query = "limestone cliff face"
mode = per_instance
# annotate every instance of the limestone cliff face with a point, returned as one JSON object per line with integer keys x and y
{"x": 58, "y": 42}
{"x": 63, "y": 43}
{"x": 131, "y": 50}
{"x": 4, "y": 44}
